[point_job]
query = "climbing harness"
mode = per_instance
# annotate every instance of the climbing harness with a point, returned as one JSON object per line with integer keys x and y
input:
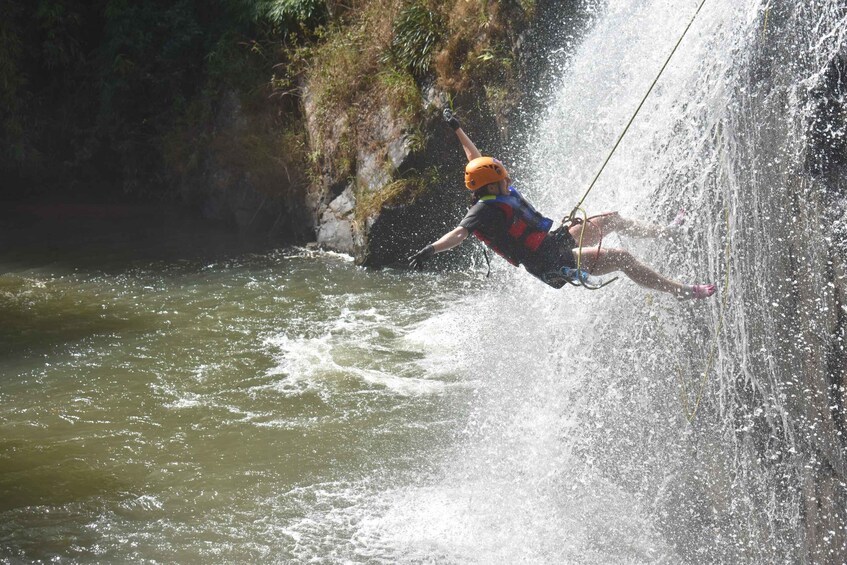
{"x": 581, "y": 277}
{"x": 572, "y": 218}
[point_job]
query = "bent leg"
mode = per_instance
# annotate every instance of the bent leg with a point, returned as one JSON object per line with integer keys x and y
{"x": 605, "y": 260}
{"x": 603, "y": 224}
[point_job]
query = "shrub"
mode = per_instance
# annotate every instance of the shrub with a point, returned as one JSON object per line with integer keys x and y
{"x": 284, "y": 15}
{"x": 291, "y": 14}
{"x": 417, "y": 31}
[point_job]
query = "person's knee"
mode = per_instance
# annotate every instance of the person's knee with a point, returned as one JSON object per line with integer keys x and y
{"x": 607, "y": 221}
{"x": 621, "y": 257}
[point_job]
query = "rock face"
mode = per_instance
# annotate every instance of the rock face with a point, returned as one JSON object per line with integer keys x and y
{"x": 245, "y": 179}
{"x": 769, "y": 449}
{"x": 353, "y": 205}
{"x": 358, "y": 159}
{"x": 825, "y": 496}
{"x": 335, "y": 228}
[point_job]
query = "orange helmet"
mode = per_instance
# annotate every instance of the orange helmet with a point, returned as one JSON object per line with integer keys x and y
{"x": 482, "y": 171}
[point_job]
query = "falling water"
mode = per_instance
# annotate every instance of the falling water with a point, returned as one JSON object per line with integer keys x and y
{"x": 624, "y": 426}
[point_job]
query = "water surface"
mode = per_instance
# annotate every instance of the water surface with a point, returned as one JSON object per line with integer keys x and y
{"x": 169, "y": 395}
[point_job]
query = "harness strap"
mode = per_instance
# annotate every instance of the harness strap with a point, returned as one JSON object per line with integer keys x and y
{"x": 577, "y": 221}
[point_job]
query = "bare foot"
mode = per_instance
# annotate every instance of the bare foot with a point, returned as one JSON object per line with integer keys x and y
{"x": 699, "y": 291}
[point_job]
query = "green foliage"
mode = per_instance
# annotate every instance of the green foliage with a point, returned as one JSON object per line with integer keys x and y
{"x": 528, "y": 6}
{"x": 402, "y": 91}
{"x": 99, "y": 84}
{"x": 144, "y": 58}
{"x": 284, "y": 16}
{"x": 118, "y": 91}
{"x": 61, "y": 25}
{"x": 417, "y": 31}
{"x": 396, "y": 193}
{"x": 301, "y": 12}
{"x": 334, "y": 73}
{"x": 11, "y": 83}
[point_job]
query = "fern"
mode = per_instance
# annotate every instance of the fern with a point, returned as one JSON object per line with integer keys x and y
{"x": 286, "y": 13}
{"x": 416, "y": 33}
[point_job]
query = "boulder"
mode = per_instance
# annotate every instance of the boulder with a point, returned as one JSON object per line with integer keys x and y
{"x": 336, "y": 226}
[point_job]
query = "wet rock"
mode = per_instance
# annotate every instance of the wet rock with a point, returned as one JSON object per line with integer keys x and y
{"x": 371, "y": 171}
{"x": 336, "y": 228}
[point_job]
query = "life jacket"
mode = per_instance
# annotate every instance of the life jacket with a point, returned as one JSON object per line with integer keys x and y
{"x": 526, "y": 230}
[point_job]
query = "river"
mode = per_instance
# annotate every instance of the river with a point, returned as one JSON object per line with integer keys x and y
{"x": 175, "y": 396}
{"x": 170, "y": 396}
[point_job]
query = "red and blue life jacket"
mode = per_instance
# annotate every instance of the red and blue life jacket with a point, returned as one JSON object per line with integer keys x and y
{"x": 526, "y": 228}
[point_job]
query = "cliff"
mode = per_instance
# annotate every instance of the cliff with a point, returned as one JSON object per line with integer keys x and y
{"x": 821, "y": 411}
{"x": 388, "y": 173}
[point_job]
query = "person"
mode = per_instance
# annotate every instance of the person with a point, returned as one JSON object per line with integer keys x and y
{"x": 508, "y": 224}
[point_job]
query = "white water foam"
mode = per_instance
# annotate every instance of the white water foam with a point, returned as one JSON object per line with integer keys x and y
{"x": 577, "y": 448}
{"x": 312, "y": 364}
{"x": 525, "y": 484}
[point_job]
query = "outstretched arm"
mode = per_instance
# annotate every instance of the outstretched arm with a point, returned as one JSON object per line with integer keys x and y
{"x": 450, "y": 239}
{"x": 470, "y": 149}
{"x": 447, "y": 241}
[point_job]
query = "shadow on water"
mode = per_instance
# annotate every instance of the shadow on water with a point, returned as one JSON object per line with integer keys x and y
{"x": 50, "y": 254}
{"x": 113, "y": 238}
{"x": 47, "y": 492}
{"x": 38, "y": 316}
{"x": 39, "y": 474}
{"x": 70, "y": 277}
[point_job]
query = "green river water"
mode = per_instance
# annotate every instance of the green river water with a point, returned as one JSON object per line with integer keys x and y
{"x": 175, "y": 396}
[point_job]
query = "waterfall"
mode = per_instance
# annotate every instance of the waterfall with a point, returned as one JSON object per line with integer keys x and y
{"x": 623, "y": 426}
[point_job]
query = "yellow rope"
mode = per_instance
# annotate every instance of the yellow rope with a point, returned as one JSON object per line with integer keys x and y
{"x": 578, "y": 208}
{"x": 765, "y": 26}
{"x": 632, "y": 119}
{"x": 691, "y": 414}
{"x": 579, "y": 256}
{"x": 581, "y": 235}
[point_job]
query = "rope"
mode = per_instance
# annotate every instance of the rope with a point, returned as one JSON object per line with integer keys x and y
{"x": 572, "y": 215}
{"x": 579, "y": 280}
{"x": 691, "y": 414}
{"x": 765, "y": 26}
{"x": 487, "y": 259}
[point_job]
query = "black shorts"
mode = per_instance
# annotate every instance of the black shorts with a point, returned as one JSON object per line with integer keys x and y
{"x": 555, "y": 252}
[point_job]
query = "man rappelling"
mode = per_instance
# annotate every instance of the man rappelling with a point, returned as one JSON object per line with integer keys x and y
{"x": 508, "y": 224}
